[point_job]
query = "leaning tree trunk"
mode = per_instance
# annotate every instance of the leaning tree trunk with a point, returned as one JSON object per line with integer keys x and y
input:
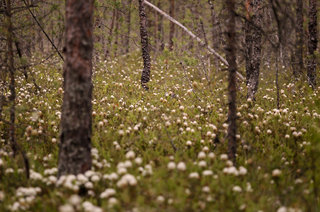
{"x": 312, "y": 42}
{"x": 253, "y": 45}
{"x": 76, "y": 120}
{"x": 298, "y": 67}
{"x": 232, "y": 87}
{"x": 171, "y": 13}
{"x": 145, "y": 77}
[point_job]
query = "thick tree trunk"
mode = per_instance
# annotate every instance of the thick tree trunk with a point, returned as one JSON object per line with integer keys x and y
{"x": 145, "y": 77}
{"x": 75, "y": 144}
{"x": 313, "y": 42}
{"x": 232, "y": 87}
{"x": 128, "y": 19}
{"x": 253, "y": 45}
{"x": 171, "y": 13}
{"x": 298, "y": 68}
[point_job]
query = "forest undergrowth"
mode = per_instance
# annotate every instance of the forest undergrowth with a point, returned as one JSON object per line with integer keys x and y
{"x": 166, "y": 149}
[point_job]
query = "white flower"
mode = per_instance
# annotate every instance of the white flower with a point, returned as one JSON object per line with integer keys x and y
{"x": 194, "y": 175}
{"x": 2, "y": 196}
{"x": 207, "y": 173}
{"x": 276, "y": 173}
{"x": 211, "y": 155}
{"x": 231, "y": 170}
{"x": 75, "y": 200}
{"x": 138, "y": 160}
{"x": 171, "y": 165}
{"x": 95, "y": 178}
{"x": 242, "y": 170}
{"x": 130, "y": 155}
{"x": 206, "y": 189}
{"x": 181, "y": 166}
{"x": 160, "y": 199}
{"x": 224, "y": 157}
{"x": 126, "y": 180}
{"x": 107, "y": 193}
{"x": 1, "y": 162}
{"x": 202, "y": 163}
{"x": 282, "y": 209}
{"x": 236, "y": 189}
{"x": 66, "y": 208}
{"x": 201, "y": 155}
{"x": 112, "y": 201}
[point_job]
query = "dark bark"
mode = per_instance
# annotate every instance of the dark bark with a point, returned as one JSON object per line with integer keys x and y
{"x": 232, "y": 86}
{"x": 145, "y": 77}
{"x": 171, "y": 13}
{"x": 298, "y": 68}
{"x": 76, "y": 120}
{"x": 116, "y": 31}
{"x": 253, "y": 45}
{"x": 128, "y": 19}
{"x": 312, "y": 42}
{"x": 11, "y": 70}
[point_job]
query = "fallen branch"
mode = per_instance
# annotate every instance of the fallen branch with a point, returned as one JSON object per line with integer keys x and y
{"x": 202, "y": 43}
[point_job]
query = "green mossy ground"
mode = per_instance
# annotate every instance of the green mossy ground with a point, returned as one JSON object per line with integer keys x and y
{"x": 184, "y": 103}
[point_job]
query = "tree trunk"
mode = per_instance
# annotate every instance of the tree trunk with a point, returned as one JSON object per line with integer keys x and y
{"x": 160, "y": 29}
{"x": 116, "y": 31}
{"x": 128, "y": 19}
{"x": 145, "y": 77}
{"x": 232, "y": 87}
{"x": 108, "y": 53}
{"x": 312, "y": 43}
{"x": 171, "y": 13}
{"x": 253, "y": 45}
{"x": 298, "y": 68}
{"x": 12, "y": 97}
{"x": 76, "y": 120}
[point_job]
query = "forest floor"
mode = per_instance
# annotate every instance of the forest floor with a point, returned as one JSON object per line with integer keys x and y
{"x": 165, "y": 149}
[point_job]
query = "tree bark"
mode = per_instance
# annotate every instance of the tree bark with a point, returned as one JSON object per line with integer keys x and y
{"x": 160, "y": 30}
{"x": 128, "y": 19}
{"x": 12, "y": 97}
{"x": 145, "y": 77}
{"x": 232, "y": 87}
{"x": 253, "y": 45}
{"x": 298, "y": 68}
{"x": 312, "y": 42}
{"x": 76, "y": 120}
{"x": 171, "y": 13}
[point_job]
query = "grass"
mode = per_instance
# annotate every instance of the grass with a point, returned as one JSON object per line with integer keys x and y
{"x": 184, "y": 110}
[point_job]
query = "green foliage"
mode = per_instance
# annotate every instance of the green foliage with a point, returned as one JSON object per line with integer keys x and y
{"x": 182, "y": 115}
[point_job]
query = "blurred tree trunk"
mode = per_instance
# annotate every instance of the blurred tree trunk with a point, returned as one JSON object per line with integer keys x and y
{"x": 128, "y": 19}
{"x": 145, "y": 77}
{"x": 12, "y": 97}
{"x": 160, "y": 30}
{"x": 232, "y": 87}
{"x": 313, "y": 42}
{"x": 171, "y": 13}
{"x": 76, "y": 120}
{"x": 298, "y": 68}
{"x": 116, "y": 31}
{"x": 109, "y": 47}
{"x": 253, "y": 45}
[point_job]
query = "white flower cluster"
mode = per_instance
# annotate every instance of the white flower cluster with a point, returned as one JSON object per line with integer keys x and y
{"x": 25, "y": 196}
{"x": 234, "y": 171}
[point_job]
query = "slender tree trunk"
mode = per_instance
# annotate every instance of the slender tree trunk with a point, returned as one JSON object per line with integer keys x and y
{"x": 232, "y": 87}
{"x": 298, "y": 68}
{"x": 171, "y": 13}
{"x": 160, "y": 29}
{"x": 253, "y": 46}
{"x": 313, "y": 42}
{"x": 108, "y": 53}
{"x": 128, "y": 19}
{"x": 76, "y": 120}
{"x": 145, "y": 77}
{"x": 116, "y": 31}
{"x": 12, "y": 97}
